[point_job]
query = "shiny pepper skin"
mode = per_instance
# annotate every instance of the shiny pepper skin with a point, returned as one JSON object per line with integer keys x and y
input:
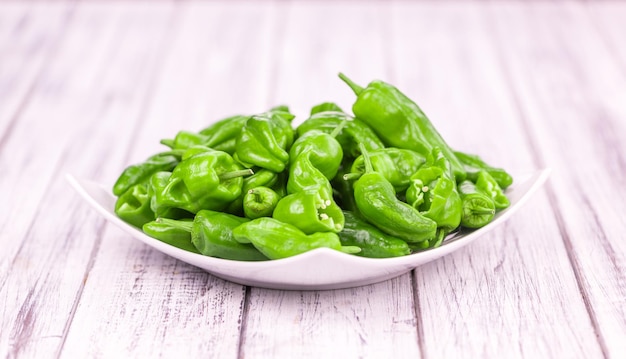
{"x": 398, "y": 121}
{"x": 276, "y": 239}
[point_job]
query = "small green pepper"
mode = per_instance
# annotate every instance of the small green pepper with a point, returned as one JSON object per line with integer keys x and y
{"x": 261, "y": 177}
{"x": 473, "y": 164}
{"x": 325, "y": 106}
{"x": 141, "y": 172}
{"x": 169, "y": 234}
{"x": 354, "y": 132}
{"x": 264, "y": 141}
{"x": 486, "y": 183}
{"x": 133, "y": 206}
{"x": 325, "y": 154}
{"x": 212, "y": 235}
{"x": 478, "y": 208}
{"x": 260, "y": 202}
{"x": 377, "y": 202}
{"x": 304, "y": 175}
{"x": 207, "y": 180}
{"x": 373, "y": 242}
{"x": 398, "y": 121}
{"x": 220, "y": 135}
{"x": 311, "y": 211}
{"x": 396, "y": 164}
{"x": 433, "y": 192}
{"x": 276, "y": 239}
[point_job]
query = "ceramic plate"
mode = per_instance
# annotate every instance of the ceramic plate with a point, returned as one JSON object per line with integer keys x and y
{"x": 319, "y": 269}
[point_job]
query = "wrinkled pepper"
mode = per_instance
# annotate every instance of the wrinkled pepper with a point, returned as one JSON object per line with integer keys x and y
{"x": 264, "y": 141}
{"x": 207, "y": 180}
{"x": 396, "y": 164}
{"x": 325, "y": 154}
{"x": 310, "y": 211}
{"x": 376, "y": 200}
{"x": 486, "y": 183}
{"x": 212, "y": 235}
{"x": 221, "y": 135}
{"x": 141, "y": 172}
{"x": 398, "y": 121}
{"x": 478, "y": 207}
{"x": 172, "y": 235}
{"x": 304, "y": 175}
{"x": 354, "y": 132}
{"x": 133, "y": 206}
{"x": 260, "y": 202}
{"x": 276, "y": 239}
{"x": 373, "y": 242}
{"x": 433, "y": 192}
{"x": 474, "y": 164}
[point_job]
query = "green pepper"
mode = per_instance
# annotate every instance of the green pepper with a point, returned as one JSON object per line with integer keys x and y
{"x": 396, "y": 164}
{"x": 212, "y": 235}
{"x": 220, "y": 135}
{"x": 311, "y": 211}
{"x": 486, "y": 183}
{"x": 264, "y": 141}
{"x": 473, "y": 164}
{"x": 169, "y": 234}
{"x": 261, "y": 177}
{"x": 355, "y": 131}
{"x": 325, "y": 151}
{"x": 376, "y": 200}
{"x": 276, "y": 239}
{"x": 478, "y": 207}
{"x": 133, "y": 206}
{"x": 207, "y": 180}
{"x": 224, "y": 131}
{"x": 373, "y": 242}
{"x": 260, "y": 202}
{"x": 343, "y": 191}
{"x": 304, "y": 175}
{"x": 398, "y": 121}
{"x": 141, "y": 172}
{"x": 433, "y": 192}
{"x": 325, "y": 106}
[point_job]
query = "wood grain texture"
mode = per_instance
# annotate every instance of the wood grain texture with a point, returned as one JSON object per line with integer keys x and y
{"x": 191, "y": 313}
{"x": 91, "y": 87}
{"x": 567, "y": 108}
{"x": 47, "y": 273}
{"x": 343, "y": 323}
{"x": 496, "y": 284}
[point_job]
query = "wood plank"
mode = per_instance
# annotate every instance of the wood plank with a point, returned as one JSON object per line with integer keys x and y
{"x": 494, "y": 297}
{"x": 94, "y": 80}
{"x": 38, "y": 131}
{"x": 28, "y": 38}
{"x": 188, "y": 311}
{"x": 577, "y": 132}
{"x": 370, "y": 321}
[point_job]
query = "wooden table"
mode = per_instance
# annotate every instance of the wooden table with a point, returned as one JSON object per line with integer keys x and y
{"x": 88, "y": 88}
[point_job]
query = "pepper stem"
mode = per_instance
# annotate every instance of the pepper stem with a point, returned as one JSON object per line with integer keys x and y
{"x": 356, "y": 88}
{"x": 168, "y": 142}
{"x": 184, "y": 225}
{"x": 482, "y": 210}
{"x": 352, "y": 176}
{"x": 366, "y": 158}
{"x": 234, "y": 174}
{"x": 338, "y": 129}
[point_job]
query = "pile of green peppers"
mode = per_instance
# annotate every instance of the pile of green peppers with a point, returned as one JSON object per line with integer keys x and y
{"x": 380, "y": 182}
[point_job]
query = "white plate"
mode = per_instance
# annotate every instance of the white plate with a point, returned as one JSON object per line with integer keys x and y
{"x": 318, "y": 269}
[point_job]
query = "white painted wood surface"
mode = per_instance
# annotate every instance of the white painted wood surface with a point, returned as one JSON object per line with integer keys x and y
{"x": 90, "y": 87}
